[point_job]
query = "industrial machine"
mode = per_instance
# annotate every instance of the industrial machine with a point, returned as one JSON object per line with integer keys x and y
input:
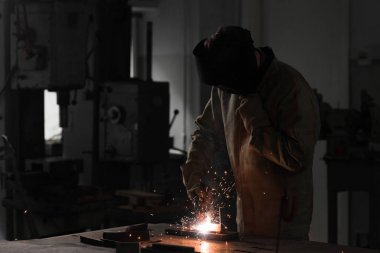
{"x": 80, "y": 50}
{"x": 134, "y": 118}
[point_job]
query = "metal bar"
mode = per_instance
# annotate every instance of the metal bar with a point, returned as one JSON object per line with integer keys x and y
{"x": 149, "y": 48}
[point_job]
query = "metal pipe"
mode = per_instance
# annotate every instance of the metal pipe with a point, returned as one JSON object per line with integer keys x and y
{"x": 149, "y": 45}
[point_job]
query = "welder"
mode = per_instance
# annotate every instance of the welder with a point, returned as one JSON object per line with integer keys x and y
{"x": 266, "y": 115}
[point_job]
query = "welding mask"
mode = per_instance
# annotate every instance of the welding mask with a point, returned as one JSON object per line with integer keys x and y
{"x": 227, "y": 60}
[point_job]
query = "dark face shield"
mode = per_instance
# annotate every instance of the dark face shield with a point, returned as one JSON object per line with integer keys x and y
{"x": 227, "y": 63}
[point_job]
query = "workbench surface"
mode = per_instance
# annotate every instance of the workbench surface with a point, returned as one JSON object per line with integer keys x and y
{"x": 71, "y": 244}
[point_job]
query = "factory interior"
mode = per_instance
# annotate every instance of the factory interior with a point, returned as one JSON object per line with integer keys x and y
{"x": 98, "y": 100}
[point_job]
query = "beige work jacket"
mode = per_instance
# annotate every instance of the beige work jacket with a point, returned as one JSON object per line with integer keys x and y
{"x": 270, "y": 138}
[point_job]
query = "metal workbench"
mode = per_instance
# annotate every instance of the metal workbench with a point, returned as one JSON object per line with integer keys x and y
{"x": 71, "y": 244}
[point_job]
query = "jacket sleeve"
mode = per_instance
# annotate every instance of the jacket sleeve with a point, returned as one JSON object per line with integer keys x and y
{"x": 288, "y": 141}
{"x": 205, "y": 141}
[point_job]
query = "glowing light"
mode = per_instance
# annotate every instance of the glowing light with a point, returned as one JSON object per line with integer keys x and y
{"x": 207, "y": 226}
{"x": 204, "y": 247}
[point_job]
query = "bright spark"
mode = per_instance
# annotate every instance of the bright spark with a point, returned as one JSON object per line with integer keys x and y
{"x": 207, "y": 226}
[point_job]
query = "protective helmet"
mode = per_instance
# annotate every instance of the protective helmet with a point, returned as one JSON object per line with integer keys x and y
{"x": 227, "y": 60}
